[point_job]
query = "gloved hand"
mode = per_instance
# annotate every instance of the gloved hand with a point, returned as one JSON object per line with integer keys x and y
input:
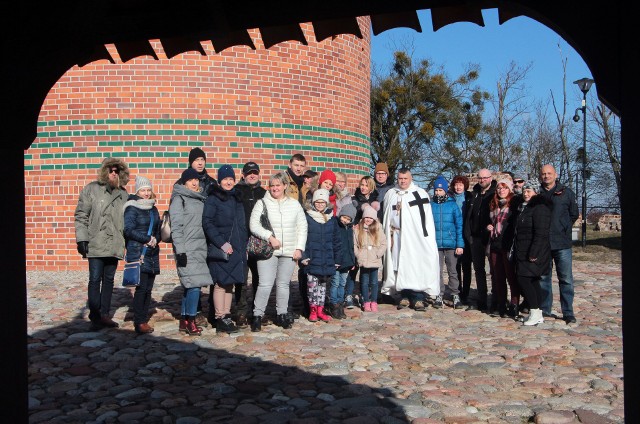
{"x": 181, "y": 259}
{"x": 83, "y": 248}
{"x": 305, "y": 262}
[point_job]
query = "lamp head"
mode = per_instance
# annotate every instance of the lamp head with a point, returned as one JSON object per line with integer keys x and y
{"x": 584, "y": 84}
{"x": 576, "y": 117}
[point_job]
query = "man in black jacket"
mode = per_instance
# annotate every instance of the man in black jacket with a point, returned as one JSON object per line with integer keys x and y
{"x": 251, "y": 193}
{"x": 476, "y": 232}
{"x": 563, "y": 215}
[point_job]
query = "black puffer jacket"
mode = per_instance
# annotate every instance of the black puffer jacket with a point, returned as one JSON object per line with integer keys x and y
{"x": 563, "y": 214}
{"x": 137, "y": 217}
{"x": 359, "y": 200}
{"x": 223, "y": 221}
{"x": 249, "y": 194}
{"x": 477, "y": 217}
{"x": 532, "y": 238}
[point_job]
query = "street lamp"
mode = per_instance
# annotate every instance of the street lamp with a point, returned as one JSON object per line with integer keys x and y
{"x": 584, "y": 84}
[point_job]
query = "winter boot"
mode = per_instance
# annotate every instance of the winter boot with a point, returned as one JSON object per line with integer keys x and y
{"x": 226, "y": 325}
{"x": 283, "y": 321}
{"x": 335, "y": 311}
{"x": 535, "y": 317}
{"x": 374, "y": 306}
{"x": 321, "y": 315}
{"x": 183, "y": 324}
{"x": 256, "y": 324}
{"x": 367, "y": 306}
{"x": 313, "y": 314}
{"x": 192, "y": 328}
{"x": 341, "y": 311}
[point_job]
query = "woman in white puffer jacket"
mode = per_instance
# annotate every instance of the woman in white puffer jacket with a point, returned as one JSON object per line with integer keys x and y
{"x": 288, "y": 239}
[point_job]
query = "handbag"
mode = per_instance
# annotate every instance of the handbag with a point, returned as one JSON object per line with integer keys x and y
{"x": 258, "y": 248}
{"x": 165, "y": 226}
{"x": 131, "y": 274}
{"x": 214, "y": 253}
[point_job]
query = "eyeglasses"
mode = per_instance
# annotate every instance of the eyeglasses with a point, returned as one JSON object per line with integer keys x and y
{"x": 114, "y": 171}
{"x": 381, "y": 173}
{"x": 339, "y": 181}
{"x": 518, "y": 181}
{"x": 485, "y": 178}
{"x": 503, "y": 188}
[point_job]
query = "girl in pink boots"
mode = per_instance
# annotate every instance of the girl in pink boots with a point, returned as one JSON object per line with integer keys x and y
{"x": 322, "y": 253}
{"x": 370, "y": 246}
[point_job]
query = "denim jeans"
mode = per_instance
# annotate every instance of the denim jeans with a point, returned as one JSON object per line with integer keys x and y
{"x": 338, "y": 284}
{"x": 142, "y": 298}
{"x": 102, "y": 271}
{"x": 369, "y": 284}
{"x": 349, "y": 286}
{"x": 563, "y": 259}
{"x": 190, "y": 298}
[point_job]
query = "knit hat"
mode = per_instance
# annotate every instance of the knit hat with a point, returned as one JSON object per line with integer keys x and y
{"x": 348, "y": 210}
{"x": 249, "y": 167}
{"x": 321, "y": 194}
{"x": 381, "y": 167}
{"x": 142, "y": 182}
{"x": 327, "y": 174}
{"x": 189, "y": 174}
{"x": 196, "y": 153}
{"x": 440, "y": 182}
{"x": 506, "y": 181}
{"x": 531, "y": 185}
{"x": 226, "y": 171}
{"x": 369, "y": 212}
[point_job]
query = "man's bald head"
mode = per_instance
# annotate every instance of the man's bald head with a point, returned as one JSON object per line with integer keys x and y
{"x": 548, "y": 176}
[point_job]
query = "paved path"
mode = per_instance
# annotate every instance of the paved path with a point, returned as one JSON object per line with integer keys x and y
{"x": 390, "y": 367}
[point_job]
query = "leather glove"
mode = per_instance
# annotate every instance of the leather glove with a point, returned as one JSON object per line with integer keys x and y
{"x": 181, "y": 259}
{"x": 83, "y": 248}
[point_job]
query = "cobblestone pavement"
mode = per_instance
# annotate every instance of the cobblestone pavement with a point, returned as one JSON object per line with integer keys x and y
{"x": 393, "y": 366}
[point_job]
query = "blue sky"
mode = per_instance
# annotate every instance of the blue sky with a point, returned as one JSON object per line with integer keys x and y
{"x": 493, "y": 46}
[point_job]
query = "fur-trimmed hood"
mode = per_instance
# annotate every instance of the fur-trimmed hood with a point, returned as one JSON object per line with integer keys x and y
{"x": 107, "y": 163}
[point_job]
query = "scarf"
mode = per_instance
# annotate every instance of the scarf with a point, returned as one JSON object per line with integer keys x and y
{"x": 498, "y": 216}
{"x": 320, "y": 217}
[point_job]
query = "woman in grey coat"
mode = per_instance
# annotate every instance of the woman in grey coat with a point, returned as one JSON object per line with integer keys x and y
{"x": 189, "y": 246}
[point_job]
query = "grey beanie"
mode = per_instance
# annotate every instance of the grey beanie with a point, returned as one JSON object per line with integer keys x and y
{"x": 531, "y": 185}
{"x": 348, "y": 210}
{"x": 142, "y": 182}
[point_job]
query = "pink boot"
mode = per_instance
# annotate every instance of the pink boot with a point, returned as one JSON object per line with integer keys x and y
{"x": 313, "y": 314}
{"x": 324, "y": 317}
{"x": 374, "y": 307}
{"x": 367, "y": 306}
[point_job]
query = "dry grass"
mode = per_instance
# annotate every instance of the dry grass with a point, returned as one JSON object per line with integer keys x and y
{"x": 604, "y": 245}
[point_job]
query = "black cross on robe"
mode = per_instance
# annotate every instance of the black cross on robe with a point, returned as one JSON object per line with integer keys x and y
{"x": 420, "y": 202}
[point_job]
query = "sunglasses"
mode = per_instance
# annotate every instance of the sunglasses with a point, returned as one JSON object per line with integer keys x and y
{"x": 518, "y": 181}
{"x": 252, "y": 173}
{"x": 114, "y": 171}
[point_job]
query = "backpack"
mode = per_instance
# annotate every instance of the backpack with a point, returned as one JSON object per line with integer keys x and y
{"x": 165, "y": 226}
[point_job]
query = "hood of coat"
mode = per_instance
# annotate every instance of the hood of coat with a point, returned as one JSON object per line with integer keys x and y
{"x": 107, "y": 164}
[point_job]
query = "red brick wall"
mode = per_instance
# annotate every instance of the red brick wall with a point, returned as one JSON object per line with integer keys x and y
{"x": 238, "y": 105}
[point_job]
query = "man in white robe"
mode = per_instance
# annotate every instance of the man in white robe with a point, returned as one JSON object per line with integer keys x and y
{"x": 411, "y": 263}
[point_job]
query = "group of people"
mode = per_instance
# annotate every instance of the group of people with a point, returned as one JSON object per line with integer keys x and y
{"x": 396, "y": 232}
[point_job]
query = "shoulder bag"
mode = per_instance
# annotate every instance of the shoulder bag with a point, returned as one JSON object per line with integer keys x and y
{"x": 131, "y": 275}
{"x": 256, "y": 247}
{"x": 165, "y": 226}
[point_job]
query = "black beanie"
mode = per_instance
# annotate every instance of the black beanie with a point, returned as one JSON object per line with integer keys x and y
{"x": 196, "y": 153}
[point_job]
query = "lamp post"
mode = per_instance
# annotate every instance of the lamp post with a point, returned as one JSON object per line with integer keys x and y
{"x": 584, "y": 84}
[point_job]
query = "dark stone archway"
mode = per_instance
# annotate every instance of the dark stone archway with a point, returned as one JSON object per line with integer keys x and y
{"x": 40, "y": 41}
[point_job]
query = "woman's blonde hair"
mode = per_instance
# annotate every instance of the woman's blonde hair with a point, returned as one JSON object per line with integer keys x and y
{"x": 370, "y": 183}
{"x": 341, "y": 194}
{"x": 374, "y": 230}
{"x": 281, "y": 178}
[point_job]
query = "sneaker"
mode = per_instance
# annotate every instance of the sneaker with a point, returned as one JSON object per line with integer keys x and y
{"x": 374, "y": 307}
{"x": 348, "y": 302}
{"x": 438, "y": 302}
{"x": 419, "y": 305}
{"x": 456, "y": 304}
{"x": 404, "y": 303}
{"x": 367, "y": 306}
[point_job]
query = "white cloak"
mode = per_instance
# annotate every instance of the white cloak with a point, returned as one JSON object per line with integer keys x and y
{"x": 418, "y": 260}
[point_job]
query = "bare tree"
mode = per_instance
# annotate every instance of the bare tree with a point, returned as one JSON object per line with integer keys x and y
{"x": 604, "y": 159}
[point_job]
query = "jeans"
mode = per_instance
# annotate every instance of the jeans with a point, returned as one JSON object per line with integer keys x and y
{"x": 448, "y": 258}
{"x": 349, "y": 286}
{"x": 563, "y": 259}
{"x": 190, "y": 298}
{"x": 369, "y": 284}
{"x": 142, "y": 298}
{"x": 338, "y": 284}
{"x": 278, "y": 270}
{"x": 102, "y": 271}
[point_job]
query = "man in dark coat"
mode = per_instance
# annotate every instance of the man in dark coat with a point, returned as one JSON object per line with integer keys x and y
{"x": 476, "y": 232}
{"x": 250, "y": 192}
{"x": 563, "y": 214}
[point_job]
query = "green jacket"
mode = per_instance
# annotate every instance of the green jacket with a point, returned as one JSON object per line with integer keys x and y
{"x": 99, "y": 217}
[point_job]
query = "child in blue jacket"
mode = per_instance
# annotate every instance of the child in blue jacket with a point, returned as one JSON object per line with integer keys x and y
{"x": 321, "y": 256}
{"x": 448, "y": 222}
